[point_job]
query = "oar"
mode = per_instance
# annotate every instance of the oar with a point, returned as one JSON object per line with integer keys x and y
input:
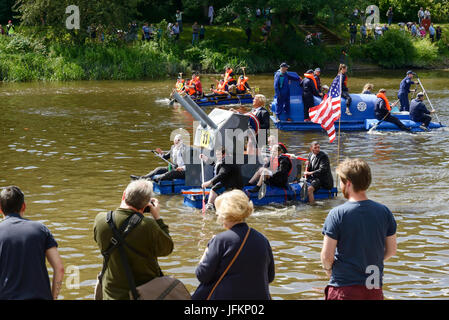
{"x": 430, "y": 102}
{"x": 263, "y": 189}
{"x": 202, "y": 183}
{"x": 303, "y": 191}
{"x": 379, "y": 122}
{"x": 159, "y": 156}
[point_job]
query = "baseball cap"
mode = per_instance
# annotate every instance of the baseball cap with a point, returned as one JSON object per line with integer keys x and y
{"x": 284, "y": 65}
{"x": 317, "y": 70}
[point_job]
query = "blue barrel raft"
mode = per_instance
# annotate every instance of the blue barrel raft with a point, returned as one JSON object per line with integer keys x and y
{"x": 362, "y": 118}
{"x": 221, "y": 100}
{"x": 170, "y": 186}
{"x": 193, "y": 198}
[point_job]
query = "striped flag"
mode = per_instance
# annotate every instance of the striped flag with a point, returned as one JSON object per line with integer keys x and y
{"x": 328, "y": 111}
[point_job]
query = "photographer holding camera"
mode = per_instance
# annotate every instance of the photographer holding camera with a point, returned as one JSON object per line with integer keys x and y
{"x": 148, "y": 240}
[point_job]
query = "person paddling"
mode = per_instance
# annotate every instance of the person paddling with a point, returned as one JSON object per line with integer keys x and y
{"x": 382, "y": 110}
{"x": 419, "y": 112}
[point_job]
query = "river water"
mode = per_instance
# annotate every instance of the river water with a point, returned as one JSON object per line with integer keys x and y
{"x": 72, "y": 146}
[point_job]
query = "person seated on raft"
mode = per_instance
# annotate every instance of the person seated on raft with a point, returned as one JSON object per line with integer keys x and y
{"x": 368, "y": 89}
{"x": 242, "y": 85}
{"x": 180, "y": 84}
{"x": 227, "y": 176}
{"x": 275, "y": 172}
{"x": 419, "y": 112}
{"x": 382, "y": 110}
{"x": 176, "y": 154}
{"x": 232, "y": 84}
{"x": 318, "y": 171}
{"x": 310, "y": 90}
{"x": 222, "y": 89}
{"x": 194, "y": 87}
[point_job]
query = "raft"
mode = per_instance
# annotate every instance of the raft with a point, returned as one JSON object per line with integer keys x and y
{"x": 193, "y": 198}
{"x": 170, "y": 186}
{"x": 224, "y": 100}
{"x": 362, "y": 118}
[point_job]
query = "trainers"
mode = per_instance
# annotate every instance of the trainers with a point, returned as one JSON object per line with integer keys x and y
{"x": 210, "y": 207}
{"x": 424, "y": 127}
{"x": 348, "y": 112}
{"x": 133, "y": 177}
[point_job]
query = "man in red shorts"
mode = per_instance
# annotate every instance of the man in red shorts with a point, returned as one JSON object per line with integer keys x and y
{"x": 359, "y": 236}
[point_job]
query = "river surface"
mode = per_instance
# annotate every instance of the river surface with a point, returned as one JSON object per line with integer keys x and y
{"x": 72, "y": 146}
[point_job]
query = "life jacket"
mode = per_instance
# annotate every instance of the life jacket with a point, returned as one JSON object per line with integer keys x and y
{"x": 221, "y": 88}
{"x": 228, "y": 72}
{"x": 384, "y": 98}
{"x": 180, "y": 85}
{"x": 230, "y": 80}
{"x": 241, "y": 84}
{"x": 311, "y": 77}
{"x": 191, "y": 87}
{"x": 198, "y": 86}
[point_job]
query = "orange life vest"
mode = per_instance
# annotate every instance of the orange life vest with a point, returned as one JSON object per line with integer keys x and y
{"x": 198, "y": 86}
{"x": 180, "y": 85}
{"x": 191, "y": 87}
{"x": 221, "y": 88}
{"x": 241, "y": 83}
{"x": 384, "y": 98}
{"x": 228, "y": 72}
{"x": 311, "y": 77}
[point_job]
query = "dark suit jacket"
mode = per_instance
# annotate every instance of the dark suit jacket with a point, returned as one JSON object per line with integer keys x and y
{"x": 264, "y": 118}
{"x": 229, "y": 176}
{"x": 249, "y": 276}
{"x": 322, "y": 168}
{"x": 280, "y": 177}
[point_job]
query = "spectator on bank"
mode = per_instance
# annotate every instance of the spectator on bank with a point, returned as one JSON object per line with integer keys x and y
{"x": 438, "y": 33}
{"x": 148, "y": 240}
{"x": 265, "y": 32}
{"x": 414, "y": 30}
{"x": 146, "y": 32}
{"x": 390, "y": 15}
{"x": 176, "y": 31}
{"x": 359, "y": 236}
{"x": 420, "y": 15}
{"x": 352, "y": 32}
{"x": 195, "y": 32}
{"x": 363, "y": 33}
{"x": 10, "y": 29}
{"x": 210, "y": 14}
{"x": 2, "y": 31}
{"x": 253, "y": 268}
{"x": 422, "y": 32}
{"x": 24, "y": 247}
{"x": 179, "y": 19}
{"x": 133, "y": 31}
{"x": 427, "y": 14}
{"x": 258, "y": 13}
{"x": 432, "y": 32}
{"x": 202, "y": 32}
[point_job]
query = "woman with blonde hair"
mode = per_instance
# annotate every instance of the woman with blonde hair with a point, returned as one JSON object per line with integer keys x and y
{"x": 368, "y": 88}
{"x": 238, "y": 263}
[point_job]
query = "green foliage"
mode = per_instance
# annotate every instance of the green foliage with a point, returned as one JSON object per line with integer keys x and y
{"x": 425, "y": 52}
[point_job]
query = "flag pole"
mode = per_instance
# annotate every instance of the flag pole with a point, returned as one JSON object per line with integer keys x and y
{"x": 338, "y": 140}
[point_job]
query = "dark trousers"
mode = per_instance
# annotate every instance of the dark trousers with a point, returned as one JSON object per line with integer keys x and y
{"x": 308, "y": 103}
{"x": 345, "y": 94}
{"x": 392, "y": 119}
{"x": 425, "y": 119}
{"x": 164, "y": 174}
{"x": 405, "y": 104}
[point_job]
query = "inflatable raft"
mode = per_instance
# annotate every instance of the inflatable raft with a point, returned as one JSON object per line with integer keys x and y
{"x": 170, "y": 186}
{"x": 193, "y": 198}
{"x": 362, "y": 118}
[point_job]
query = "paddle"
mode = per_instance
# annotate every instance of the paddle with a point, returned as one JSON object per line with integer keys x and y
{"x": 303, "y": 191}
{"x": 430, "y": 102}
{"x": 202, "y": 183}
{"x": 159, "y": 156}
{"x": 262, "y": 190}
{"x": 379, "y": 122}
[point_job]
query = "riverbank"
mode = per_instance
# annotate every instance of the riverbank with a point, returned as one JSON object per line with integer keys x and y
{"x": 27, "y": 57}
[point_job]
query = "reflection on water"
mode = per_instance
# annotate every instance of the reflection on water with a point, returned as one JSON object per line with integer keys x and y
{"x": 72, "y": 146}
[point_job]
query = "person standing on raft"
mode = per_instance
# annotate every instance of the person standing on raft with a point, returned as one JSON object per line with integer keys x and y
{"x": 382, "y": 110}
{"x": 404, "y": 90}
{"x": 282, "y": 88}
{"x": 310, "y": 90}
{"x": 344, "y": 87}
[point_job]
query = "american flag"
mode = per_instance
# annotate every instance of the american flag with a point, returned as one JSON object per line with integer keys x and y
{"x": 328, "y": 111}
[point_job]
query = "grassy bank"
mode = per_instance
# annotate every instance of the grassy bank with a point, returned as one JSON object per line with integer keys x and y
{"x": 27, "y": 57}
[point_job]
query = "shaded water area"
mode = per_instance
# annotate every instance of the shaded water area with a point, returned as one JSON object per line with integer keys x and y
{"x": 72, "y": 146}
